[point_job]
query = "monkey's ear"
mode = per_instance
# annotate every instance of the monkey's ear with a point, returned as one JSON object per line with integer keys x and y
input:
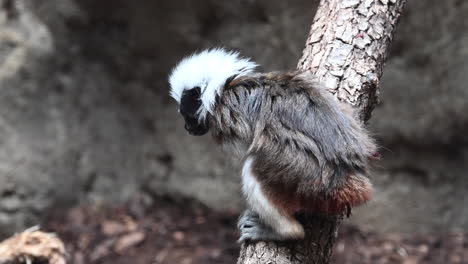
{"x": 190, "y": 101}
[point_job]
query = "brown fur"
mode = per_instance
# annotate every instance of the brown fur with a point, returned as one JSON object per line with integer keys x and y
{"x": 310, "y": 152}
{"x": 356, "y": 191}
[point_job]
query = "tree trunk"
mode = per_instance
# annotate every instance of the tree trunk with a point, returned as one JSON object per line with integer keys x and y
{"x": 346, "y": 50}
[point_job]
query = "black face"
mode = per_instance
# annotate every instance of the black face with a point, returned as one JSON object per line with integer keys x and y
{"x": 189, "y": 105}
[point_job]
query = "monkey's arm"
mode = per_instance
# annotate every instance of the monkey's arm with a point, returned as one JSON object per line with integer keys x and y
{"x": 307, "y": 140}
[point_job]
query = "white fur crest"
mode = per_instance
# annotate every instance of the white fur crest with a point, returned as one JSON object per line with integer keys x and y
{"x": 208, "y": 70}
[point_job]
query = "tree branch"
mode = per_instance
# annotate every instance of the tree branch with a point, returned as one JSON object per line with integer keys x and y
{"x": 346, "y": 50}
{"x": 347, "y": 47}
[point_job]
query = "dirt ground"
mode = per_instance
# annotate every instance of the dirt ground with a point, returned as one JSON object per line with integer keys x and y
{"x": 185, "y": 232}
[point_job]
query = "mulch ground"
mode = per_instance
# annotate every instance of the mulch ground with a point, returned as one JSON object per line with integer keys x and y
{"x": 185, "y": 232}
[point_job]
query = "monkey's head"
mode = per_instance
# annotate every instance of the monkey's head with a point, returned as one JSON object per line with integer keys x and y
{"x": 198, "y": 79}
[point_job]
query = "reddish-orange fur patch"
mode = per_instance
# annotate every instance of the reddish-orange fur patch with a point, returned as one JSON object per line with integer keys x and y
{"x": 356, "y": 191}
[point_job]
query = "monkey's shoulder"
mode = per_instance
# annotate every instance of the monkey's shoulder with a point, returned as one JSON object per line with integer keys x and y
{"x": 276, "y": 83}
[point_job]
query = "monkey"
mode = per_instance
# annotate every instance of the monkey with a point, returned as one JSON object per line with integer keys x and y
{"x": 302, "y": 149}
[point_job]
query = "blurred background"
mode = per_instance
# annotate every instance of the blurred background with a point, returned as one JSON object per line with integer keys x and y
{"x": 86, "y": 120}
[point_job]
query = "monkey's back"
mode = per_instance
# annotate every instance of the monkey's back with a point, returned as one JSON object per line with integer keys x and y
{"x": 309, "y": 151}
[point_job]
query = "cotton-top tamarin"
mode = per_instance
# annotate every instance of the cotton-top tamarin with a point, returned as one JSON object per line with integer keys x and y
{"x": 302, "y": 150}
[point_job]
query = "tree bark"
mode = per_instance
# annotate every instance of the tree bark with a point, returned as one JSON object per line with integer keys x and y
{"x": 346, "y": 50}
{"x": 347, "y": 47}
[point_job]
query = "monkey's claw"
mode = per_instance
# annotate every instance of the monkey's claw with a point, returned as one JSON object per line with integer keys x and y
{"x": 252, "y": 228}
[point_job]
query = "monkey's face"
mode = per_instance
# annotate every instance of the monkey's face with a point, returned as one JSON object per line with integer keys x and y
{"x": 189, "y": 104}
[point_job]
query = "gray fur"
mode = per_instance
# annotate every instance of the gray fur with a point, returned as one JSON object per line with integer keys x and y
{"x": 305, "y": 150}
{"x": 253, "y": 228}
{"x": 297, "y": 132}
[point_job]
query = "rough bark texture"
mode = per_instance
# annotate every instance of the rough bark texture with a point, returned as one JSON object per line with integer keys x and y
{"x": 315, "y": 248}
{"x": 346, "y": 49}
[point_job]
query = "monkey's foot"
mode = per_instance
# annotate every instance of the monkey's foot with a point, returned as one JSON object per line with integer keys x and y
{"x": 253, "y": 229}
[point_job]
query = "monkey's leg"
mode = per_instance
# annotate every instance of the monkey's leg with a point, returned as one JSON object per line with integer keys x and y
{"x": 266, "y": 221}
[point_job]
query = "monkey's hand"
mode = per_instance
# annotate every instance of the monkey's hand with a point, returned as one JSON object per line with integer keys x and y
{"x": 253, "y": 229}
